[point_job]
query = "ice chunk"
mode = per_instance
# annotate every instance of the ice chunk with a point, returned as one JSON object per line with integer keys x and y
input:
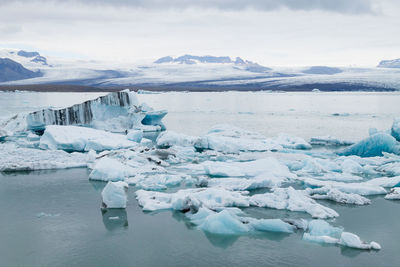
{"x": 154, "y": 118}
{"x": 391, "y": 168}
{"x": 271, "y": 225}
{"x": 364, "y": 189}
{"x": 3, "y": 135}
{"x": 13, "y": 158}
{"x": 169, "y": 138}
{"x": 293, "y": 200}
{"x": 395, "y": 131}
{"x": 74, "y": 138}
{"x": 322, "y": 232}
{"x": 329, "y": 141}
{"x": 108, "y": 169}
{"x": 394, "y": 194}
{"x": 261, "y": 167}
{"x": 261, "y": 181}
{"x": 135, "y": 135}
{"x": 292, "y": 142}
{"x": 114, "y": 195}
{"x": 223, "y": 222}
{"x": 228, "y": 222}
{"x": 373, "y": 146}
{"x": 333, "y": 194}
{"x": 353, "y": 241}
{"x": 385, "y": 181}
{"x": 184, "y": 199}
{"x": 162, "y": 181}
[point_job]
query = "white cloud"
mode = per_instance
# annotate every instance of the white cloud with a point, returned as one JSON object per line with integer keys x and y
{"x": 289, "y": 34}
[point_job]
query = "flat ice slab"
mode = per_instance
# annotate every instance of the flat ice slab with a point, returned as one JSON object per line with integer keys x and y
{"x": 74, "y": 138}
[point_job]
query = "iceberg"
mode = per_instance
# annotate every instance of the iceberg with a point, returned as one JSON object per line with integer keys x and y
{"x": 353, "y": 241}
{"x": 74, "y": 138}
{"x": 267, "y": 167}
{"x": 108, "y": 169}
{"x": 193, "y": 198}
{"x": 329, "y": 141}
{"x": 292, "y": 142}
{"x": 336, "y": 195}
{"x": 385, "y": 181}
{"x": 169, "y": 138}
{"x": 228, "y": 222}
{"x": 135, "y": 135}
{"x": 373, "y": 146}
{"x": 322, "y": 232}
{"x": 13, "y": 158}
{"x": 293, "y": 200}
{"x": 394, "y": 194}
{"x": 114, "y": 195}
{"x": 364, "y": 189}
{"x": 395, "y": 131}
{"x": 117, "y": 112}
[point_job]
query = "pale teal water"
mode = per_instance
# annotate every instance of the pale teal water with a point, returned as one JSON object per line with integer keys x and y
{"x": 78, "y": 234}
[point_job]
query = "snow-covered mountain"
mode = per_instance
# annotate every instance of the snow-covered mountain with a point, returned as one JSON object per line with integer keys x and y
{"x": 394, "y": 63}
{"x": 191, "y": 60}
{"x": 11, "y": 70}
{"x": 199, "y": 73}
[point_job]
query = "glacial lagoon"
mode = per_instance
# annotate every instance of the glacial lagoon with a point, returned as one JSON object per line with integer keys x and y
{"x": 53, "y": 217}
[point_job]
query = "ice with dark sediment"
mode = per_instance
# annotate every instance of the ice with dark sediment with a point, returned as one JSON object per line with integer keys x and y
{"x": 117, "y": 112}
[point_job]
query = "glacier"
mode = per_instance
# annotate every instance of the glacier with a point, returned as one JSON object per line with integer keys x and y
{"x": 218, "y": 181}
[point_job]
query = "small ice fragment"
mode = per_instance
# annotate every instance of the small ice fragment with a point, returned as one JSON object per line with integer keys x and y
{"x": 135, "y": 135}
{"x": 114, "y": 195}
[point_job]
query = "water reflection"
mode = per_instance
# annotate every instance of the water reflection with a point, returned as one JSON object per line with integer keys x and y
{"x": 114, "y": 219}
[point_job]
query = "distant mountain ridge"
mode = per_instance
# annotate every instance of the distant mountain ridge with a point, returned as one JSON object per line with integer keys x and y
{"x": 191, "y": 60}
{"x": 393, "y": 63}
{"x": 11, "y": 71}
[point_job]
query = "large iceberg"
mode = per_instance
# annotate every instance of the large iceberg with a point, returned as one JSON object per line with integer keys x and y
{"x": 117, "y": 112}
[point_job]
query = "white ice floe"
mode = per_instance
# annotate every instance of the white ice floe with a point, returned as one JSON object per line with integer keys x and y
{"x": 185, "y": 199}
{"x": 108, "y": 169}
{"x": 335, "y": 195}
{"x": 364, "y": 188}
{"x": 394, "y": 194}
{"x": 13, "y": 158}
{"x": 322, "y": 232}
{"x": 114, "y": 195}
{"x": 160, "y": 181}
{"x": 293, "y": 200}
{"x": 169, "y": 138}
{"x": 292, "y": 142}
{"x": 266, "y": 167}
{"x": 385, "y": 181}
{"x": 74, "y": 138}
{"x": 329, "y": 141}
{"x": 353, "y": 241}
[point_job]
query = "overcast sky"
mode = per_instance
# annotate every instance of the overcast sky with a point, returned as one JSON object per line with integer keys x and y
{"x": 270, "y": 32}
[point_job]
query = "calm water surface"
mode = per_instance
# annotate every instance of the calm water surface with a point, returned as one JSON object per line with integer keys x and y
{"x": 53, "y": 218}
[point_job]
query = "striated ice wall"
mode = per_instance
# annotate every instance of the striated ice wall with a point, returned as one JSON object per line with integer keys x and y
{"x": 117, "y": 111}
